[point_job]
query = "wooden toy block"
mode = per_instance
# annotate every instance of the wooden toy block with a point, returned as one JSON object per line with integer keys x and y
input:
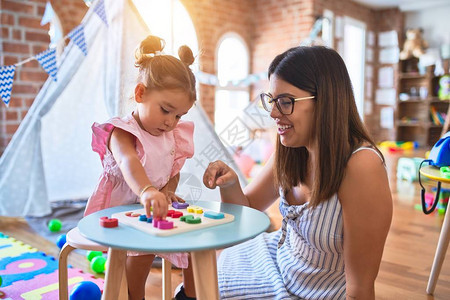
{"x": 177, "y": 220}
{"x": 180, "y": 205}
{"x": 109, "y": 223}
{"x": 214, "y": 215}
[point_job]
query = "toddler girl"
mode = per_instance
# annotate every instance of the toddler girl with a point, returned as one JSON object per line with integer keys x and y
{"x": 142, "y": 153}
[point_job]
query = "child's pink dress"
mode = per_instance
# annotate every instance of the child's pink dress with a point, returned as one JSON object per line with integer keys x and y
{"x": 161, "y": 156}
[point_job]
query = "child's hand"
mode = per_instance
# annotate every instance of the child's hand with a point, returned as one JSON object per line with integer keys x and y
{"x": 219, "y": 174}
{"x": 154, "y": 198}
{"x": 171, "y": 197}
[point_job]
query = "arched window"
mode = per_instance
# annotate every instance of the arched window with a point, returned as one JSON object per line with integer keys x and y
{"x": 170, "y": 21}
{"x": 232, "y": 95}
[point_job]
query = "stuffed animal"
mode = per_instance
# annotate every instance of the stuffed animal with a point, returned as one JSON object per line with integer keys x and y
{"x": 414, "y": 45}
{"x": 444, "y": 88}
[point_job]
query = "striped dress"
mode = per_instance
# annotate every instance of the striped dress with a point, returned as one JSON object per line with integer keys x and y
{"x": 302, "y": 260}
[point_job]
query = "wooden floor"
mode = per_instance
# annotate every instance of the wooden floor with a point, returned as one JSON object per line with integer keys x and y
{"x": 405, "y": 267}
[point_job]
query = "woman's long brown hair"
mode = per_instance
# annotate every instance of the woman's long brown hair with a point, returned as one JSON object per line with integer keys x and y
{"x": 337, "y": 129}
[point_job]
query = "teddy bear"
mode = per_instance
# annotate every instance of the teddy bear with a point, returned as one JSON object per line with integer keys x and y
{"x": 414, "y": 45}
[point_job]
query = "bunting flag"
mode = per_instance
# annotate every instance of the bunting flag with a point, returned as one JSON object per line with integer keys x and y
{"x": 47, "y": 59}
{"x": 48, "y": 14}
{"x": 6, "y": 82}
{"x": 77, "y": 36}
{"x": 100, "y": 11}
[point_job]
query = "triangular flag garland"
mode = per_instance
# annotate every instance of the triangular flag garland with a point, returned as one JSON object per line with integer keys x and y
{"x": 6, "y": 81}
{"x": 100, "y": 10}
{"x": 77, "y": 36}
{"x": 48, "y": 14}
{"x": 47, "y": 60}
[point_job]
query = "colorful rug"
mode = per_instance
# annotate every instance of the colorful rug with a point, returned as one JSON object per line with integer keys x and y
{"x": 27, "y": 273}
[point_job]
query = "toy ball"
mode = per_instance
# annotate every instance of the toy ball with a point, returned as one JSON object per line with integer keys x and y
{"x": 85, "y": 290}
{"x": 0, "y": 281}
{"x": 245, "y": 163}
{"x": 54, "y": 225}
{"x": 61, "y": 241}
{"x": 98, "y": 264}
{"x": 91, "y": 254}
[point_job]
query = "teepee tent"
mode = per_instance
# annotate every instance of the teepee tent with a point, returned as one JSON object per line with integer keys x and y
{"x": 49, "y": 158}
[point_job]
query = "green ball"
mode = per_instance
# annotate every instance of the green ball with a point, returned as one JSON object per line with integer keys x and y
{"x": 98, "y": 264}
{"x": 91, "y": 254}
{"x": 0, "y": 281}
{"x": 54, "y": 225}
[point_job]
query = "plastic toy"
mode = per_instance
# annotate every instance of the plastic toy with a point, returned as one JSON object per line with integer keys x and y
{"x": 408, "y": 168}
{"x": 54, "y": 225}
{"x": 445, "y": 172}
{"x": 440, "y": 153}
{"x": 61, "y": 241}
{"x": 91, "y": 254}
{"x": 444, "y": 88}
{"x": 98, "y": 264}
{"x": 180, "y": 205}
{"x": 174, "y": 214}
{"x": 214, "y": 215}
{"x": 190, "y": 219}
{"x": 177, "y": 220}
{"x": 162, "y": 224}
{"x": 108, "y": 223}
{"x": 85, "y": 290}
{"x": 195, "y": 209}
{"x": 393, "y": 146}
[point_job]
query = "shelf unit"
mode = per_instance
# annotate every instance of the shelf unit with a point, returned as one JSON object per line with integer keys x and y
{"x": 420, "y": 115}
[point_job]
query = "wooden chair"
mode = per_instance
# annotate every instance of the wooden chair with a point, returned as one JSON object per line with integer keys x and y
{"x": 74, "y": 240}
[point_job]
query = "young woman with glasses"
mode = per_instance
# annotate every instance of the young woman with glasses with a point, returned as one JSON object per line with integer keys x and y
{"x": 332, "y": 184}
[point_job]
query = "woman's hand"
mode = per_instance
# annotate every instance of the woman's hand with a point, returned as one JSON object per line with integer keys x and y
{"x": 154, "y": 198}
{"x": 219, "y": 174}
{"x": 171, "y": 197}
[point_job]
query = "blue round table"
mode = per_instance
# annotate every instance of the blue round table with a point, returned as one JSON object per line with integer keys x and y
{"x": 202, "y": 243}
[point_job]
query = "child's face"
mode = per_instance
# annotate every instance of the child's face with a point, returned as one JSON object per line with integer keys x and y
{"x": 160, "y": 111}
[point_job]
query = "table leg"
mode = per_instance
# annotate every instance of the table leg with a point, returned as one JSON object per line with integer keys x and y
{"x": 166, "y": 280}
{"x": 441, "y": 249}
{"x": 115, "y": 268}
{"x": 205, "y": 274}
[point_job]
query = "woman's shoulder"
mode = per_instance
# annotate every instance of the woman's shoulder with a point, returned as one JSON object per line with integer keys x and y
{"x": 365, "y": 167}
{"x": 365, "y": 154}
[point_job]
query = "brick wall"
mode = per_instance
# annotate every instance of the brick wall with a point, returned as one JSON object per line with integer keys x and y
{"x": 212, "y": 19}
{"x": 268, "y": 27}
{"x": 279, "y": 25}
{"x": 70, "y": 13}
{"x": 22, "y": 37}
{"x": 391, "y": 19}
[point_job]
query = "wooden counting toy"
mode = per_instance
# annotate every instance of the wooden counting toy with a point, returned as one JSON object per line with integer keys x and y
{"x": 108, "y": 223}
{"x": 181, "y": 217}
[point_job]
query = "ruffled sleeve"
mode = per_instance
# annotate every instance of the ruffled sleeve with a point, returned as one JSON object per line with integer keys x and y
{"x": 100, "y": 136}
{"x": 184, "y": 145}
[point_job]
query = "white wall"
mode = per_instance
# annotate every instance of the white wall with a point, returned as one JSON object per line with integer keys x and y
{"x": 435, "y": 23}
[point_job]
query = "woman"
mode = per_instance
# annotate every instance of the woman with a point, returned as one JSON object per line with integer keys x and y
{"x": 333, "y": 188}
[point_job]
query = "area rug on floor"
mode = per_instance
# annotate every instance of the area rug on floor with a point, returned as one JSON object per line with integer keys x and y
{"x": 27, "y": 273}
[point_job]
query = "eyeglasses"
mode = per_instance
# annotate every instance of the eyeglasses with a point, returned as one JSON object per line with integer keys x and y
{"x": 285, "y": 104}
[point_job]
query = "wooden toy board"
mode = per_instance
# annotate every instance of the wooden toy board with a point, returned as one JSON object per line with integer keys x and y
{"x": 179, "y": 226}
